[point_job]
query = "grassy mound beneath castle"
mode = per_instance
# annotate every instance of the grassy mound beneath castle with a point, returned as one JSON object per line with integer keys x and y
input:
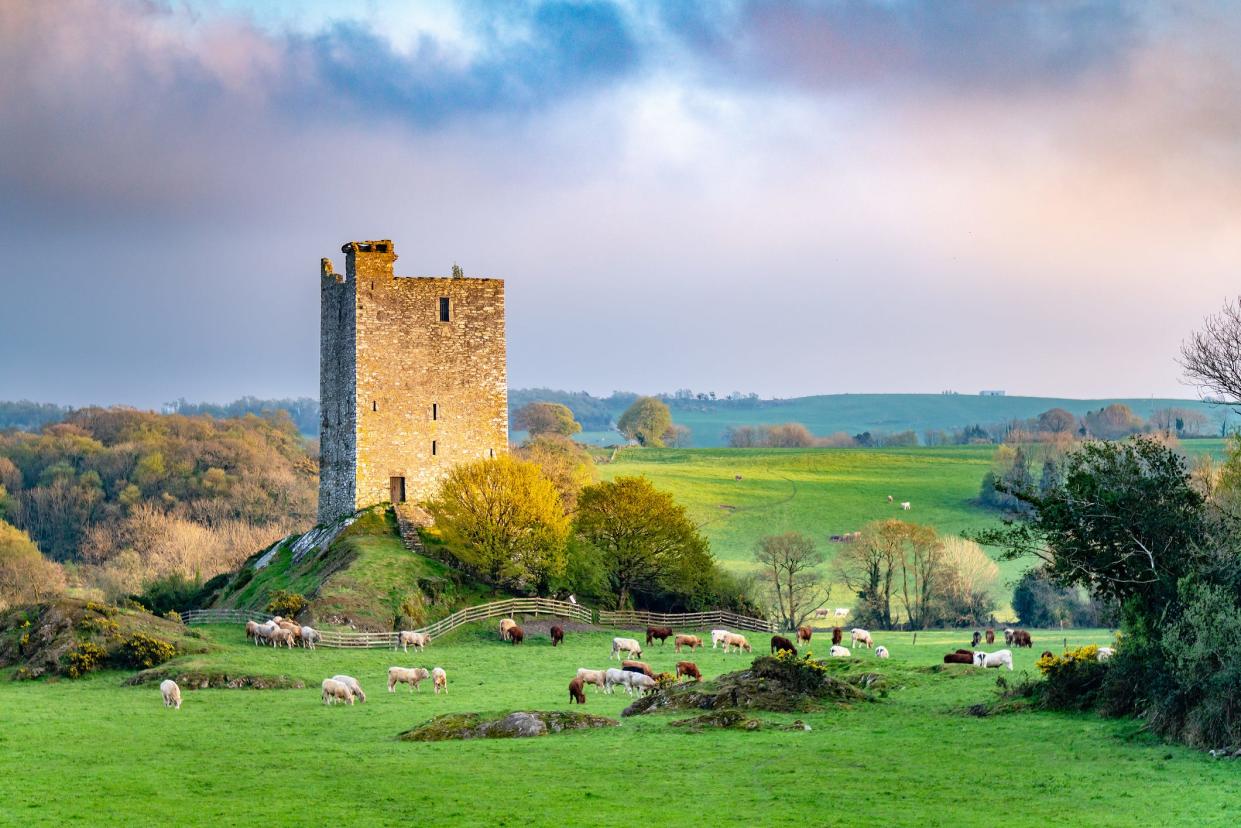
{"x": 354, "y": 572}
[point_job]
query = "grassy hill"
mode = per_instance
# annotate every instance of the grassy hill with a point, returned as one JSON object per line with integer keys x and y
{"x": 855, "y": 413}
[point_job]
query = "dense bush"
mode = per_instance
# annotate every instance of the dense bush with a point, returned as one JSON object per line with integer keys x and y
{"x": 144, "y": 651}
{"x": 1039, "y": 602}
{"x": 85, "y": 658}
{"x": 1073, "y": 680}
{"x": 287, "y": 604}
{"x": 172, "y": 592}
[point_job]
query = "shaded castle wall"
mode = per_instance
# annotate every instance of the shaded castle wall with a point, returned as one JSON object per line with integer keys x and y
{"x": 337, "y": 404}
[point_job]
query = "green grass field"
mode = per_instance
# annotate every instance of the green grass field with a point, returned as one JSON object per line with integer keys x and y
{"x": 96, "y": 752}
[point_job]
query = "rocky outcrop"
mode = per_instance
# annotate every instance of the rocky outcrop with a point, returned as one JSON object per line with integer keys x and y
{"x": 516, "y": 725}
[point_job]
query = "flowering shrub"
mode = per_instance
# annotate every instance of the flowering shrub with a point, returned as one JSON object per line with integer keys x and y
{"x": 142, "y": 650}
{"x": 1073, "y": 680}
{"x": 86, "y": 657}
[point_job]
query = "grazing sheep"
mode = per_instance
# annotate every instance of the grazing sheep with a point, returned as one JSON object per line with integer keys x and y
{"x": 990, "y": 636}
{"x": 440, "y": 680}
{"x": 309, "y": 637}
{"x": 557, "y": 634}
{"x": 861, "y": 636}
{"x": 881, "y": 652}
{"x": 906, "y": 505}
{"x": 662, "y": 633}
{"x": 688, "y": 668}
{"x": 691, "y": 641}
{"x": 1104, "y": 654}
{"x": 252, "y": 629}
{"x": 406, "y": 675}
{"x": 352, "y": 684}
{"x": 889, "y": 498}
{"x": 262, "y": 631}
{"x": 407, "y": 637}
{"x": 506, "y": 624}
{"x": 516, "y": 635}
{"x": 626, "y": 645}
{"x": 1000, "y": 658}
{"x": 958, "y": 658}
{"x": 977, "y": 637}
{"x": 837, "y": 635}
{"x": 779, "y": 642}
{"x": 638, "y": 667}
{"x": 840, "y": 652}
{"x": 1021, "y": 638}
{"x": 575, "y": 691}
{"x": 717, "y": 636}
{"x": 171, "y": 693}
{"x": 296, "y": 629}
{"x": 334, "y": 691}
{"x": 1008, "y": 636}
{"x": 804, "y": 634}
{"x": 737, "y": 641}
{"x": 280, "y": 636}
{"x": 595, "y": 677}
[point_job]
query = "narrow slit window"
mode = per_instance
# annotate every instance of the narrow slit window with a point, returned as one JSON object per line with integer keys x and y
{"x": 491, "y": 453}
{"x": 445, "y": 309}
{"x": 374, "y": 405}
{"x": 433, "y": 448}
{"x": 435, "y": 411}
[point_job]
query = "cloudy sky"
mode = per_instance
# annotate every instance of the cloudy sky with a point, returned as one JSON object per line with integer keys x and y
{"x": 780, "y": 197}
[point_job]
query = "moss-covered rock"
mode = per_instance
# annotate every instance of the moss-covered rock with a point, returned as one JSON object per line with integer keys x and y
{"x": 215, "y": 680}
{"x": 516, "y": 725}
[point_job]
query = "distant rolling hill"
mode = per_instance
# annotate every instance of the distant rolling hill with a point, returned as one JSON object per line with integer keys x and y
{"x": 888, "y": 413}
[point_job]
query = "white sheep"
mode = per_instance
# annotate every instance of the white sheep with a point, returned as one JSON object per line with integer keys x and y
{"x": 1000, "y": 658}
{"x": 171, "y": 693}
{"x": 838, "y": 651}
{"x": 406, "y": 675}
{"x": 352, "y": 684}
{"x": 881, "y": 651}
{"x": 861, "y": 636}
{"x": 440, "y": 680}
{"x": 906, "y": 505}
{"x": 506, "y": 624}
{"x": 310, "y": 636}
{"x": 1104, "y": 654}
{"x": 334, "y": 691}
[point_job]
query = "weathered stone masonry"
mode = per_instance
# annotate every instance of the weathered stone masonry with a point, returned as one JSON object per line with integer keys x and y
{"x": 413, "y": 379}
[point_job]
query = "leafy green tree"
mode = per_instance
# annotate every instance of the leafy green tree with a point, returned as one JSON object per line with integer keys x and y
{"x": 568, "y": 465}
{"x": 539, "y": 418}
{"x": 25, "y": 575}
{"x": 647, "y": 420}
{"x": 504, "y": 519}
{"x": 644, "y": 536}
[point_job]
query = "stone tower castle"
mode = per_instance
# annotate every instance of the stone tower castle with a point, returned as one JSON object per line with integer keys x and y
{"x": 412, "y": 378}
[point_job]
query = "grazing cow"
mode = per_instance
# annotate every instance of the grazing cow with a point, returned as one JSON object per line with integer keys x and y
{"x": 958, "y": 658}
{"x": 1047, "y": 654}
{"x": 977, "y": 637}
{"x": 906, "y": 506}
{"x": 595, "y": 677}
{"x": 1000, "y": 658}
{"x": 779, "y": 642}
{"x": 737, "y": 641}
{"x": 354, "y": 687}
{"x": 843, "y": 612}
{"x": 990, "y": 636}
{"x": 688, "y": 669}
{"x": 1008, "y": 636}
{"x": 575, "y": 691}
{"x": 837, "y": 635}
{"x": 171, "y": 693}
{"x": 881, "y": 652}
{"x": 439, "y": 680}
{"x": 626, "y": 645}
{"x": 614, "y": 677}
{"x": 412, "y": 676}
{"x": 969, "y": 653}
{"x": 1021, "y": 638}
{"x": 691, "y": 641}
{"x": 840, "y": 652}
{"x": 407, "y": 637}
{"x": 641, "y": 683}
{"x": 506, "y": 624}
{"x": 1104, "y": 654}
{"x": 662, "y": 633}
{"x": 557, "y": 635}
{"x": 516, "y": 635}
{"x": 804, "y": 634}
{"x": 638, "y": 667}
{"x": 861, "y": 636}
{"x": 717, "y": 636}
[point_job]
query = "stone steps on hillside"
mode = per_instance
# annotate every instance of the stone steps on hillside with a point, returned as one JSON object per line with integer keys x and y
{"x": 409, "y": 519}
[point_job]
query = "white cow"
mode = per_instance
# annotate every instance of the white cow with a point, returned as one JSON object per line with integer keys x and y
{"x": 717, "y": 636}
{"x": 842, "y": 612}
{"x": 627, "y": 645}
{"x": 1000, "y": 658}
{"x": 906, "y": 505}
{"x": 1105, "y": 653}
{"x": 408, "y": 637}
{"x": 614, "y": 677}
{"x": 881, "y": 652}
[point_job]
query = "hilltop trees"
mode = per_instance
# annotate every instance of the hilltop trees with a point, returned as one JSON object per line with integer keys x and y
{"x": 647, "y": 420}
{"x": 790, "y": 566}
{"x": 25, "y": 575}
{"x": 539, "y": 418}
{"x": 506, "y": 521}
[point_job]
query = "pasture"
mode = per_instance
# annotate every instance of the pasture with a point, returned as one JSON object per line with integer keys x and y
{"x": 95, "y": 751}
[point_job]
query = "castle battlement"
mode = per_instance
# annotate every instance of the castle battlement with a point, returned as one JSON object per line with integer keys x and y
{"x": 413, "y": 378}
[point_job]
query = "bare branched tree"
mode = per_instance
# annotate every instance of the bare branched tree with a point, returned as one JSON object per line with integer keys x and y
{"x": 1212, "y": 356}
{"x": 790, "y": 562}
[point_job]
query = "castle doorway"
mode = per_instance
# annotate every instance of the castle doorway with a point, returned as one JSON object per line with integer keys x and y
{"x": 397, "y": 485}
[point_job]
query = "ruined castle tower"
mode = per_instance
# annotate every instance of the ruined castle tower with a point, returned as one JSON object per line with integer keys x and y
{"x": 412, "y": 378}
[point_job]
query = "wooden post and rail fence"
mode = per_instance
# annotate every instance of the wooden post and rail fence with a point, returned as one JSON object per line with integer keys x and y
{"x": 500, "y": 609}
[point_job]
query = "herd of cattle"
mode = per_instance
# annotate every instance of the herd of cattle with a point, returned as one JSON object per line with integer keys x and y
{"x": 632, "y": 675}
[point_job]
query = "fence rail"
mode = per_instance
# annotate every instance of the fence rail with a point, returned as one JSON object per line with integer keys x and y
{"x": 222, "y": 616}
{"x": 691, "y": 620}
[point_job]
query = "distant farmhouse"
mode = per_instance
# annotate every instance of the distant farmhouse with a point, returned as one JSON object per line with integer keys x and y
{"x": 413, "y": 379}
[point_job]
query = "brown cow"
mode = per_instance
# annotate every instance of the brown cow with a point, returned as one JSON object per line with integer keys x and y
{"x": 1021, "y": 638}
{"x": 990, "y": 636}
{"x": 575, "y": 691}
{"x": 557, "y": 635}
{"x": 969, "y": 653}
{"x": 804, "y": 634}
{"x": 688, "y": 668}
{"x": 637, "y": 667}
{"x": 691, "y": 641}
{"x": 662, "y": 633}
{"x": 958, "y": 658}
{"x": 1047, "y": 654}
{"x": 837, "y": 634}
{"x": 516, "y": 635}
{"x": 779, "y": 642}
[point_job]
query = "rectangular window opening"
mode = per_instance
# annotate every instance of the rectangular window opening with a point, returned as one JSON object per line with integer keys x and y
{"x": 445, "y": 309}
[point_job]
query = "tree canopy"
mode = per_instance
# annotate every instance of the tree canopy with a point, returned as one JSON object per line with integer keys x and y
{"x": 647, "y": 420}
{"x": 539, "y": 418}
